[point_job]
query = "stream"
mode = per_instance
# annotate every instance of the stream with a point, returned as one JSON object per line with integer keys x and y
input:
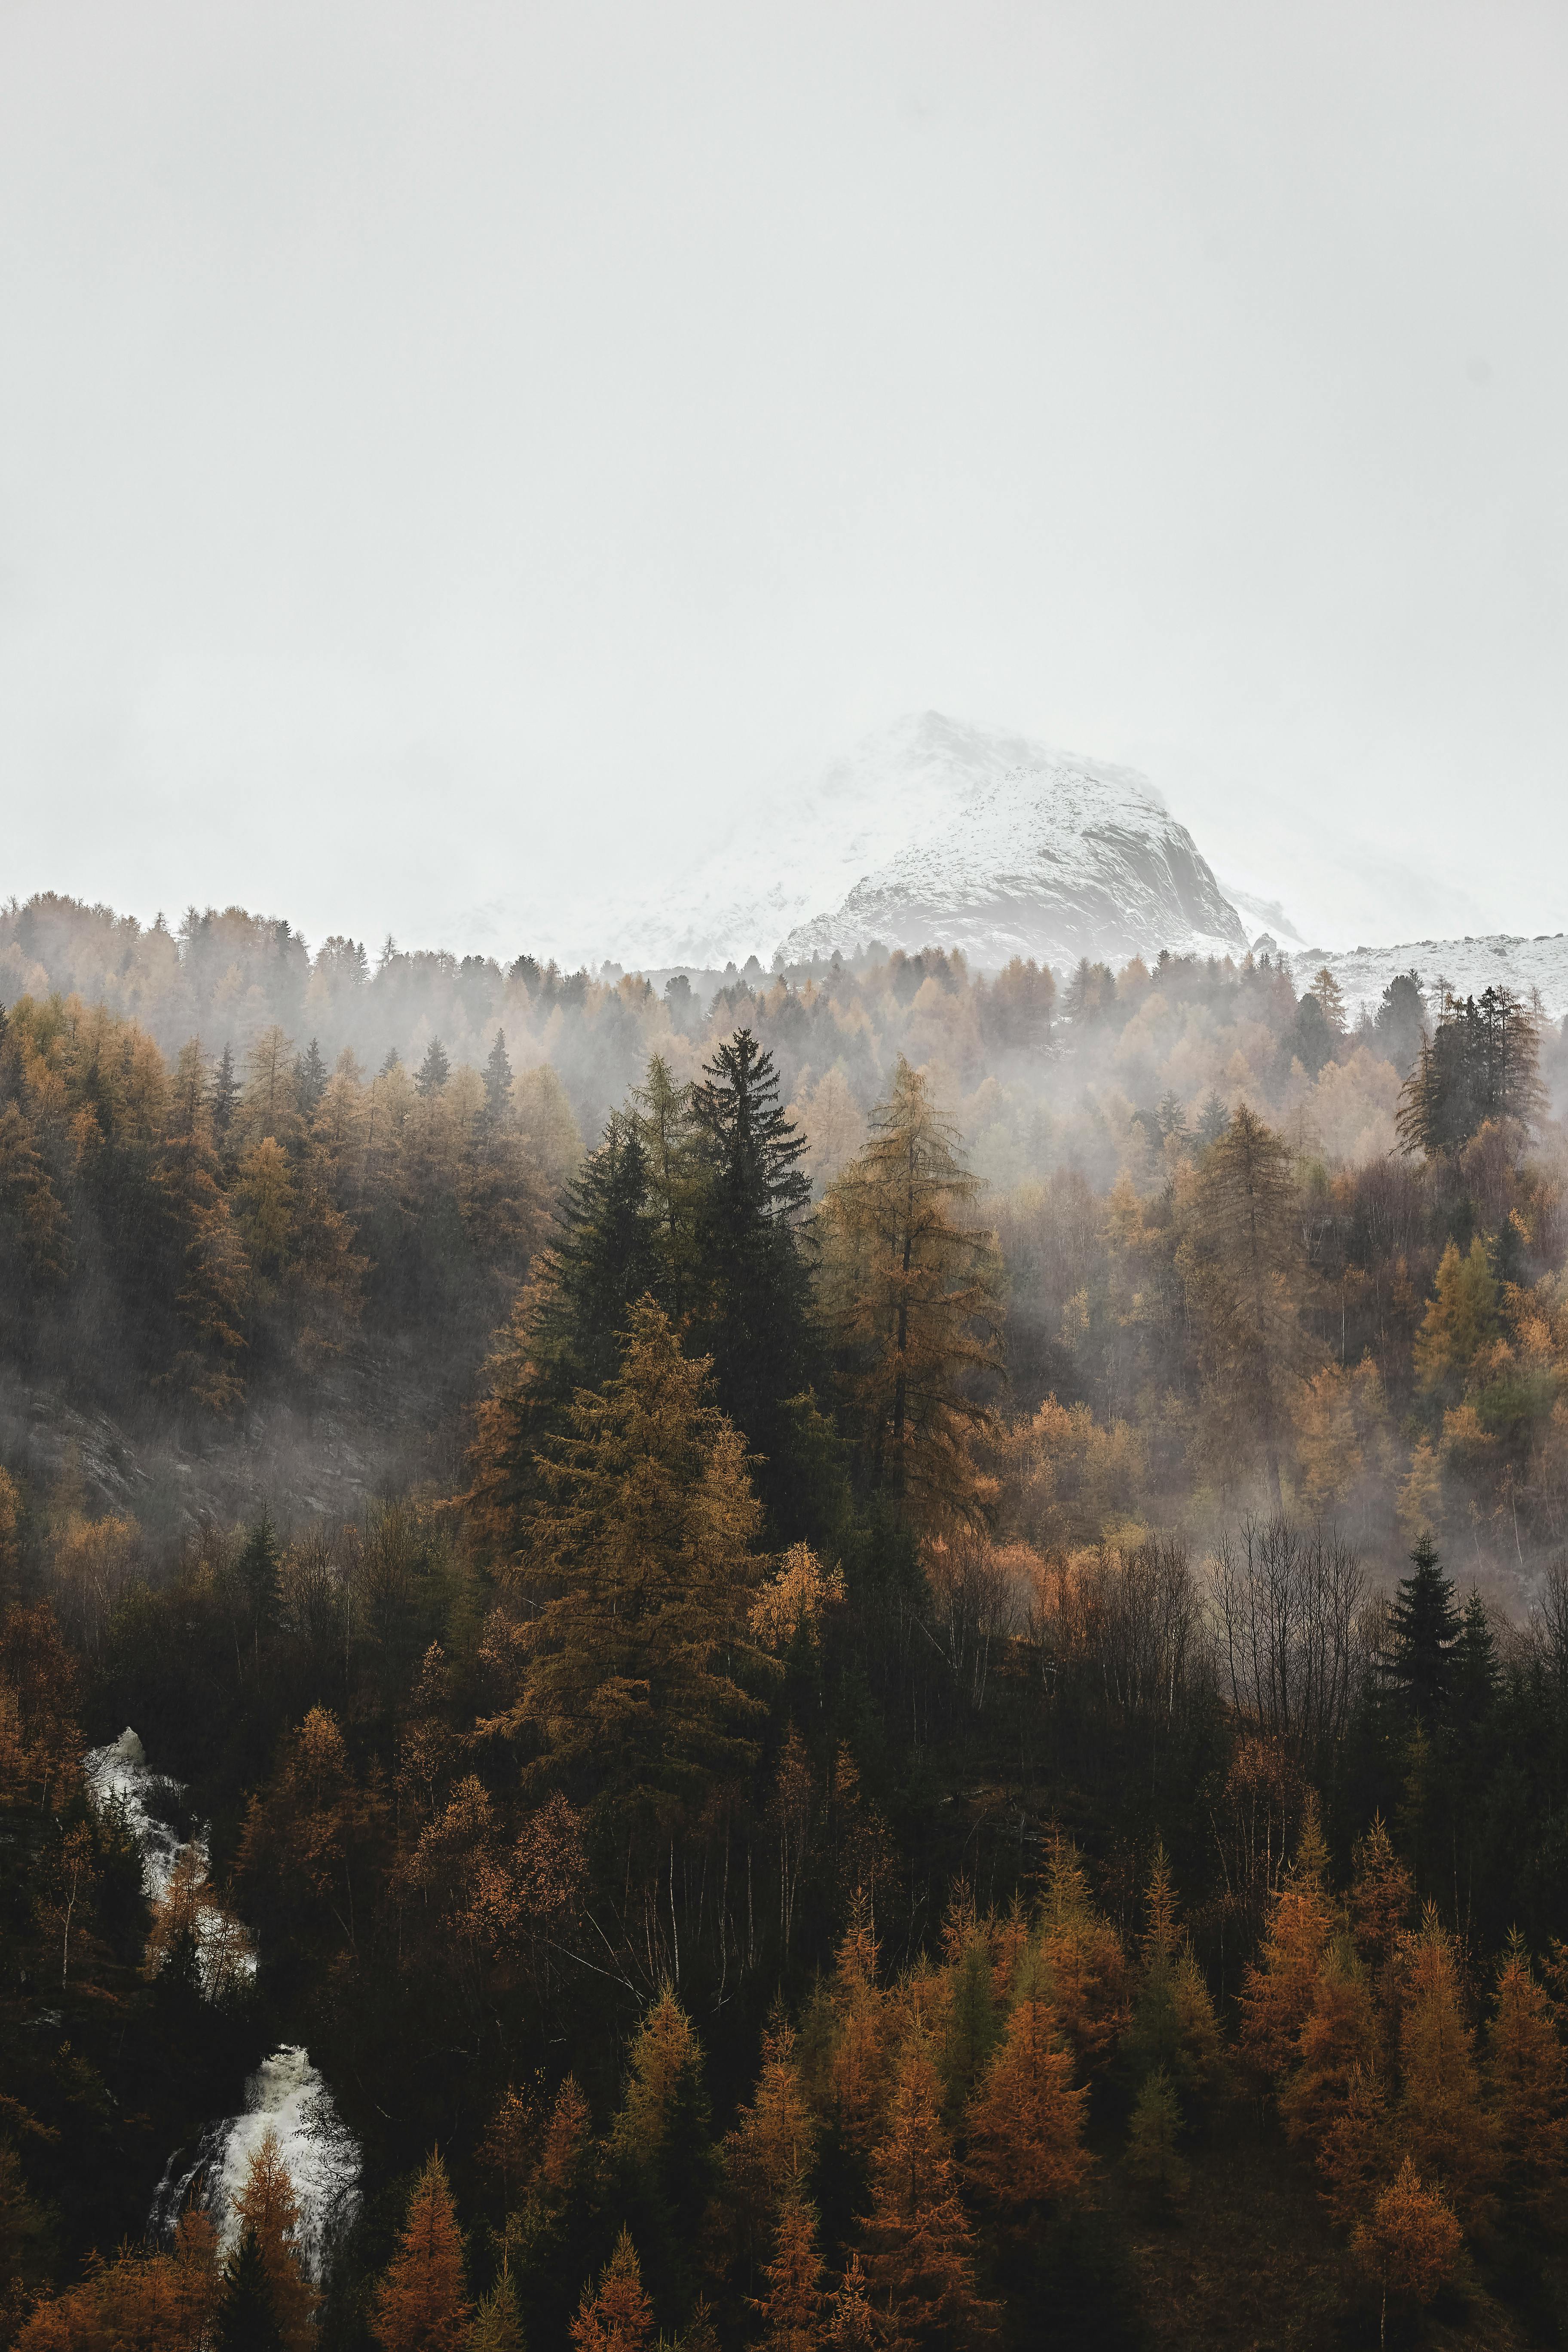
{"x": 285, "y": 2093}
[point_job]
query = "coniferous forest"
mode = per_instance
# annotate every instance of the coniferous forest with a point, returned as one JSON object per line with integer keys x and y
{"x": 870, "y": 1657}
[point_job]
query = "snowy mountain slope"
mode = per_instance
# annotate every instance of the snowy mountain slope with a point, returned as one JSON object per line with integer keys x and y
{"x": 933, "y": 831}
{"x": 1468, "y": 965}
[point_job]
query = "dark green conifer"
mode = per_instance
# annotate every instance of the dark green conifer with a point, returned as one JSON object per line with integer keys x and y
{"x": 224, "y": 1095}
{"x": 310, "y": 1080}
{"x": 434, "y": 1070}
{"x": 753, "y": 1319}
{"x": 603, "y": 1262}
{"x": 246, "y": 2314}
{"x": 1424, "y": 1628}
{"x": 1213, "y": 1120}
{"x": 1473, "y": 1665}
{"x": 258, "y": 1574}
{"x": 497, "y": 1081}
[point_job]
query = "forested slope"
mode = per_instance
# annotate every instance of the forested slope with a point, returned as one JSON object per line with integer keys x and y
{"x": 904, "y": 1783}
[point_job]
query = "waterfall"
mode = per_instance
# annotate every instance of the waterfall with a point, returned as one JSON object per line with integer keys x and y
{"x": 286, "y": 2093}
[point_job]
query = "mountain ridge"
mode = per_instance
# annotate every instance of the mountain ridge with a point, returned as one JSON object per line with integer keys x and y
{"x": 934, "y": 829}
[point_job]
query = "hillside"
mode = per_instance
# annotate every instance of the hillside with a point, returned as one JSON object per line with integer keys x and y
{"x": 1468, "y": 965}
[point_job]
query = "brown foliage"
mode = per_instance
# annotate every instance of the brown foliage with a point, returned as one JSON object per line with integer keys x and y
{"x": 421, "y": 2304}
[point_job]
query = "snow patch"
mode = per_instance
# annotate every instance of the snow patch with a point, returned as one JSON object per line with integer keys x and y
{"x": 1469, "y": 965}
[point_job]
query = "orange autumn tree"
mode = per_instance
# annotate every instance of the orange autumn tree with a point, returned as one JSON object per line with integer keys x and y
{"x": 920, "y": 2254}
{"x": 618, "y": 2316}
{"x": 1443, "y": 2124}
{"x": 1338, "y": 2038}
{"x": 1026, "y": 2121}
{"x": 1353, "y": 2156}
{"x": 858, "y": 2070}
{"x": 639, "y": 1566}
{"x": 421, "y": 2304}
{"x": 268, "y": 2206}
{"x": 1527, "y": 2071}
{"x": 789, "y": 2314}
{"x": 1409, "y": 2242}
{"x": 851, "y": 2323}
{"x": 1085, "y": 1967}
{"x": 1172, "y": 2026}
{"x": 768, "y": 2154}
{"x": 1277, "y": 1991}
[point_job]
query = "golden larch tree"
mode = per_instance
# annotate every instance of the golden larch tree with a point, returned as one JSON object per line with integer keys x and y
{"x": 421, "y": 2304}
{"x": 1244, "y": 1265}
{"x": 1409, "y": 2242}
{"x": 616, "y": 2317}
{"x": 1527, "y": 2072}
{"x": 919, "y": 2252}
{"x": 268, "y": 2206}
{"x": 789, "y": 2314}
{"x": 1025, "y": 2123}
{"x": 911, "y": 1292}
{"x": 640, "y": 1565}
{"x": 1442, "y": 2123}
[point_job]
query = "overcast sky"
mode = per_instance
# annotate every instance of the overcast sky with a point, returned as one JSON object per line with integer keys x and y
{"x": 451, "y": 453}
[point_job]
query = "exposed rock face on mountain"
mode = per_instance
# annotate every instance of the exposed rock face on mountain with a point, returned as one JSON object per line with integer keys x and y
{"x": 932, "y": 831}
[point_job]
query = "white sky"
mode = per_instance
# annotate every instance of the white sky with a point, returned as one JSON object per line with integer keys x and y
{"x": 452, "y": 455}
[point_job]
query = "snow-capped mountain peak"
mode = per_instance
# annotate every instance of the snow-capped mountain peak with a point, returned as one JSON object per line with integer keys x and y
{"x": 933, "y": 831}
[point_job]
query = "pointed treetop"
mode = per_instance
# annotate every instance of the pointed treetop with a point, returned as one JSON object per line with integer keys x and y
{"x": 498, "y": 1078}
{"x": 434, "y": 1070}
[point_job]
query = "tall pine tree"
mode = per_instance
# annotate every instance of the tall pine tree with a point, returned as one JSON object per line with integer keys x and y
{"x": 1424, "y": 1627}
{"x": 751, "y": 1313}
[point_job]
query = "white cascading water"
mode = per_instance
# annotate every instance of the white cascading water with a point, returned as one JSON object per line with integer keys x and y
{"x": 285, "y": 2095}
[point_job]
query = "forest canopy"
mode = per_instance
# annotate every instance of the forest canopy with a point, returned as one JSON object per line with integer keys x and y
{"x": 963, "y": 1730}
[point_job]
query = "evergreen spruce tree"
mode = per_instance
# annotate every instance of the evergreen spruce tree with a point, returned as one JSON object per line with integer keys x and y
{"x": 751, "y": 1313}
{"x": 310, "y": 1081}
{"x": 433, "y": 1072}
{"x": 1482, "y": 1061}
{"x": 663, "y": 2139}
{"x": 225, "y": 1096}
{"x": 247, "y": 2316}
{"x": 1473, "y": 1670}
{"x": 1424, "y": 1628}
{"x": 1213, "y": 1120}
{"x": 497, "y": 1082}
{"x": 567, "y": 1331}
{"x": 1153, "y": 2158}
{"x": 603, "y": 1262}
{"x": 257, "y": 1573}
